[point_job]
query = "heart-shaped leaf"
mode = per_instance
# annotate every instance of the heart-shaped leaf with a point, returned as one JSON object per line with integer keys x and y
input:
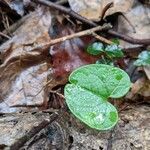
{"x": 90, "y": 88}
{"x": 143, "y": 59}
{"x": 114, "y": 51}
{"x": 95, "y": 48}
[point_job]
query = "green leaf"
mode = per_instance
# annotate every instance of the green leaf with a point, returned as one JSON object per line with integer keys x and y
{"x": 95, "y": 48}
{"x": 143, "y": 59}
{"x": 87, "y": 95}
{"x": 116, "y": 41}
{"x": 114, "y": 51}
{"x": 90, "y": 108}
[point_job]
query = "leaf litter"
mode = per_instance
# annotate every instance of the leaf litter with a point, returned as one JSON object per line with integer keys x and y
{"x": 28, "y": 74}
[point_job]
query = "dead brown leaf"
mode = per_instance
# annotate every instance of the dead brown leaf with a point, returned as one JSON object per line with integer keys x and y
{"x": 139, "y": 16}
{"x": 24, "y": 70}
{"x": 93, "y": 9}
{"x": 140, "y": 87}
{"x": 147, "y": 71}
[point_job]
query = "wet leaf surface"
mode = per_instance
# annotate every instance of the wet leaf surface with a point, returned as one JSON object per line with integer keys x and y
{"x": 95, "y": 48}
{"x": 114, "y": 51}
{"x": 88, "y": 92}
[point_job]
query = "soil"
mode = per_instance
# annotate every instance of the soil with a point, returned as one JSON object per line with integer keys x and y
{"x": 131, "y": 133}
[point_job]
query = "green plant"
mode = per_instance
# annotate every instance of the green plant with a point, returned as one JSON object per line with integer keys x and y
{"x": 114, "y": 51}
{"x": 106, "y": 61}
{"x": 111, "y": 51}
{"x": 116, "y": 41}
{"x": 89, "y": 90}
{"x": 95, "y": 48}
{"x": 108, "y": 52}
{"x": 143, "y": 59}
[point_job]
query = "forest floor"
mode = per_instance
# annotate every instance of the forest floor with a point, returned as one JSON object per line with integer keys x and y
{"x": 41, "y": 43}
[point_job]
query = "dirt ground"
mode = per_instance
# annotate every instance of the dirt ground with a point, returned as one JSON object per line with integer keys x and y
{"x": 131, "y": 133}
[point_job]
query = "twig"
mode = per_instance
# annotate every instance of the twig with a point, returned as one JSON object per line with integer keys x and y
{"x": 16, "y": 25}
{"x": 100, "y": 38}
{"x": 59, "y": 94}
{"x": 61, "y": 2}
{"x": 4, "y": 35}
{"x": 91, "y": 23}
{"x": 18, "y": 114}
{"x": 26, "y": 105}
{"x": 82, "y": 33}
{"x": 75, "y": 35}
{"x": 135, "y": 49}
{"x": 5, "y": 20}
{"x": 130, "y": 39}
{"x": 64, "y": 10}
{"x": 106, "y": 8}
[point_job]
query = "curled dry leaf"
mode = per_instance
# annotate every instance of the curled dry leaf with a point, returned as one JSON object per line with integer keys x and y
{"x": 139, "y": 16}
{"x": 93, "y": 9}
{"x": 140, "y": 87}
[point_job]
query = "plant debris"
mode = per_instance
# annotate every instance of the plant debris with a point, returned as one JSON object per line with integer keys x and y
{"x": 42, "y": 42}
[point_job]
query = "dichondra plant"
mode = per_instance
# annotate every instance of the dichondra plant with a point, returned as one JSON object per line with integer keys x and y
{"x": 89, "y": 90}
{"x": 108, "y": 52}
{"x": 143, "y": 59}
{"x": 111, "y": 51}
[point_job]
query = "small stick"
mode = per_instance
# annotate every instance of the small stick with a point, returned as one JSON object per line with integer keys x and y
{"x": 59, "y": 94}
{"x": 65, "y": 11}
{"x": 130, "y": 39}
{"x": 82, "y": 33}
{"x": 18, "y": 114}
{"x": 61, "y": 2}
{"x": 100, "y": 38}
{"x": 106, "y": 8}
{"x": 75, "y": 35}
{"x": 4, "y": 35}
